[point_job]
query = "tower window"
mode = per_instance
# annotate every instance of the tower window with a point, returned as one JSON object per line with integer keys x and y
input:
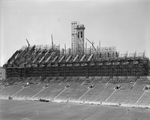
{"x": 81, "y": 34}
{"x": 78, "y": 34}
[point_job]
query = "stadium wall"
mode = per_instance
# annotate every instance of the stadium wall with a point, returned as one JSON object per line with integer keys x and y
{"x": 2, "y": 73}
{"x": 88, "y": 70}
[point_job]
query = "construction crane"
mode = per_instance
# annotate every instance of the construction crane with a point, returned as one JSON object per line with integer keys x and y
{"x": 28, "y": 43}
{"x": 91, "y": 44}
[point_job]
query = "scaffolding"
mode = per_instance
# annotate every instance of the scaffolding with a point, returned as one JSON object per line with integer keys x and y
{"x": 74, "y": 36}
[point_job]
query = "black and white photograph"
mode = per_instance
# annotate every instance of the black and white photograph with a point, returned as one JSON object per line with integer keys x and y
{"x": 74, "y": 60}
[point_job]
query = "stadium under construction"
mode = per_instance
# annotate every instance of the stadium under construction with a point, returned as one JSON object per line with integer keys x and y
{"x": 79, "y": 74}
{"x": 44, "y": 61}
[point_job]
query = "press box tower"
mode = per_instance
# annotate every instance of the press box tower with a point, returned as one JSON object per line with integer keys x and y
{"x": 77, "y": 36}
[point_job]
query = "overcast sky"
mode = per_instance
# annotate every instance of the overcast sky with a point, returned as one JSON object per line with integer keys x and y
{"x": 123, "y": 23}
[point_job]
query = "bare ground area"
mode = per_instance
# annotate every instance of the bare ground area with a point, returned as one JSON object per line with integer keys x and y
{"x": 35, "y": 110}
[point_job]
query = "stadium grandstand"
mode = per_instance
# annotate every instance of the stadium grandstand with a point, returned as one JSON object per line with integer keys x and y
{"x": 79, "y": 74}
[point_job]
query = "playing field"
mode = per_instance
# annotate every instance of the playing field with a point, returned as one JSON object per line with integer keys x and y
{"x": 35, "y": 110}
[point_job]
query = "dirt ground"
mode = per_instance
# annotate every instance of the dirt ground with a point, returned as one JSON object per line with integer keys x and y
{"x": 35, "y": 110}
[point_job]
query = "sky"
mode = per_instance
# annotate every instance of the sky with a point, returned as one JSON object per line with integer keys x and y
{"x": 121, "y": 23}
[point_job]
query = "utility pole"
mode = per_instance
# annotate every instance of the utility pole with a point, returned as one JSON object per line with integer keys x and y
{"x": 52, "y": 40}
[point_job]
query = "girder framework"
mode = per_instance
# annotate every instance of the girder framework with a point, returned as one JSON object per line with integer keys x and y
{"x": 35, "y": 61}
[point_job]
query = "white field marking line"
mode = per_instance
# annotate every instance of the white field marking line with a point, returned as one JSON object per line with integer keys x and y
{"x": 38, "y": 92}
{"x": 140, "y": 98}
{"x": 84, "y": 94}
{"x": 17, "y": 92}
{"x": 60, "y": 93}
{"x": 111, "y": 94}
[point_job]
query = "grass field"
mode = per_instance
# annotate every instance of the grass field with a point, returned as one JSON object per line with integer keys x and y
{"x": 35, "y": 110}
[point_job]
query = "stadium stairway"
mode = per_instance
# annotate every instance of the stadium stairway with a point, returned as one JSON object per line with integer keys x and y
{"x": 51, "y": 91}
{"x": 99, "y": 93}
{"x": 74, "y": 92}
{"x": 29, "y": 91}
{"x": 127, "y": 95}
{"x": 10, "y": 90}
{"x": 144, "y": 99}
